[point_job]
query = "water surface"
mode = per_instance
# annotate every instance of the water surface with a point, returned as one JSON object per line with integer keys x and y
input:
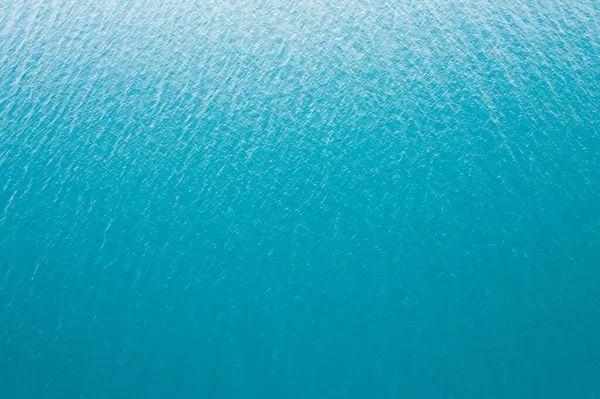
{"x": 299, "y": 199}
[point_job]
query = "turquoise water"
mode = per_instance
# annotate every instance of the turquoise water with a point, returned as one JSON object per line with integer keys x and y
{"x": 299, "y": 199}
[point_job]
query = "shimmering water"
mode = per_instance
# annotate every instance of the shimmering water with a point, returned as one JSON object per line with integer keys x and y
{"x": 299, "y": 199}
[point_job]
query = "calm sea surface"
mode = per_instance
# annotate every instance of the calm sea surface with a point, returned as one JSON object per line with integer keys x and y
{"x": 272, "y": 199}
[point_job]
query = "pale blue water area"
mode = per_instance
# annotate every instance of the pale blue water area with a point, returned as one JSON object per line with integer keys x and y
{"x": 299, "y": 199}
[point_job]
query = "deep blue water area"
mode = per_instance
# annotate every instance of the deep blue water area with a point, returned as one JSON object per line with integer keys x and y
{"x": 299, "y": 199}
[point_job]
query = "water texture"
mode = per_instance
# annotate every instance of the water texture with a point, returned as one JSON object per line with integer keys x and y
{"x": 299, "y": 199}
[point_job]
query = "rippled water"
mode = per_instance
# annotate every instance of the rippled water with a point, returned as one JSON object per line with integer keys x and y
{"x": 299, "y": 199}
